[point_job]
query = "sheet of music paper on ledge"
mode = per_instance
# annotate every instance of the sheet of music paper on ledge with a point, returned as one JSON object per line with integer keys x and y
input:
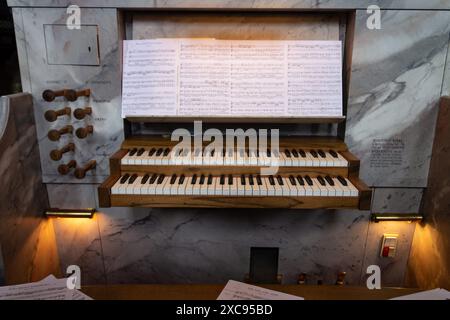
{"x": 232, "y": 78}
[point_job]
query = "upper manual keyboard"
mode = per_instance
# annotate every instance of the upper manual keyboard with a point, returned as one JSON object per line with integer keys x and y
{"x": 285, "y": 158}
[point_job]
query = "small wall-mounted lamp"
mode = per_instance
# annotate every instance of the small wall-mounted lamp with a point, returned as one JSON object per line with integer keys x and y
{"x": 377, "y": 217}
{"x": 64, "y": 213}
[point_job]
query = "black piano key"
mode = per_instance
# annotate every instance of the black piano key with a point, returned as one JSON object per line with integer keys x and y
{"x": 333, "y": 153}
{"x": 202, "y": 180}
{"x": 300, "y": 180}
{"x": 182, "y": 178}
{"x": 145, "y": 179}
{"x": 243, "y": 180}
{"x": 321, "y": 180}
{"x": 161, "y": 178}
{"x": 166, "y": 152}
{"x": 257, "y": 153}
{"x": 194, "y": 179}
{"x": 140, "y": 152}
{"x": 213, "y": 152}
{"x": 153, "y": 178}
{"x": 269, "y": 153}
{"x": 342, "y": 181}
{"x": 251, "y": 180}
{"x": 152, "y": 152}
{"x": 287, "y": 153}
{"x": 159, "y": 152}
{"x": 133, "y": 179}
{"x": 259, "y": 180}
{"x": 330, "y": 181}
{"x": 314, "y": 153}
{"x": 302, "y": 153}
{"x": 133, "y": 152}
{"x": 222, "y": 180}
{"x": 230, "y": 180}
{"x": 271, "y": 180}
{"x": 280, "y": 181}
{"x": 124, "y": 179}
{"x": 210, "y": 180}
{"x": 295, "y": 153}
{"x": 309, "y": 181}
{"x": 173, "y": 179}
{"x": 292, "y": 180}
{"x": 321, "y": 153}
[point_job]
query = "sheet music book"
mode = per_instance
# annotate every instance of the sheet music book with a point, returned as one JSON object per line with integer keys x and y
{"x": 228, "y": 78}
{"x": 49, "y": 288}
{"x": 241, "y": 291}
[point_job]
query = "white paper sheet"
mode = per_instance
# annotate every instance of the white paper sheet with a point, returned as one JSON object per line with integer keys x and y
{"x": 182, "y": 77}
{"x": 48, "y": 289}
{"x": 241, "y": 291}
{"x": 435, "y": 294}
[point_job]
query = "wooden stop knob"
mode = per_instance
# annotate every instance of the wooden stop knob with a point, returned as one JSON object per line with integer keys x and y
{"x": 80, "y": 114}
{"x": 64, "y": 169}
{"x": 52, "y": 116}
{"x": 57, "y": 155}
{"x": 55, "y": 135}
{"x": 82, "y": 133}
{"x": 80, "y": 173}
{"x": 50, "y": 95}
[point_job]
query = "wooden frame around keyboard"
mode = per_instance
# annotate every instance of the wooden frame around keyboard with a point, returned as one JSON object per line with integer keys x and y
{"x": 362, "y": 202}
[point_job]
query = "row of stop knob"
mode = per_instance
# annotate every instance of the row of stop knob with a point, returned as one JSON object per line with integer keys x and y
{"x": 80, "y": 173}
{"x": 81, "y": 133}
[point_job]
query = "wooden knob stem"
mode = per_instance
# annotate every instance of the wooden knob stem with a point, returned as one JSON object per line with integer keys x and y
{"x": 80, "y": 114}
{"x": 80, "y": 173}
{"x": 52, "y": 116}
{"x": 57, "y": 155}
{"x": 64, "y": 169}
{"x": 341, "y": 278}
{"x": 55, "y": 135}
{"x": 82, "y": 133}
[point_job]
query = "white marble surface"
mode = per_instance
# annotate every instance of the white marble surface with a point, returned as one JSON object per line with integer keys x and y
{"x": 395, "y": 87}
{"x": 397, "y": 200}
{"x": 240, "y": 4}
{"x": 201, "y": 246}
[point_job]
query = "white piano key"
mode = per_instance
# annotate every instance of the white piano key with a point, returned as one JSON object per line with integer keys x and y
{"x": 343, "y": 161}
{"x": 248, "y": 188}
{"x": 354, "y": 192}
{"x": 263, "y": 187}
{"x": 338, "y": 188}
{"x": 270, "y": 188}
{"x": 235, "y": 186}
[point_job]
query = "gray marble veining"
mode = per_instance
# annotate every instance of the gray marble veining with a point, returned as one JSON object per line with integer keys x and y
{"x": 395, "y": 87}
{"x": 240, "y": 4}
{"x": 397, "y": 200}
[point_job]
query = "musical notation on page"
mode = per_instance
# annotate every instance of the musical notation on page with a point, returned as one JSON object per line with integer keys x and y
{"x": 183, "y": 77}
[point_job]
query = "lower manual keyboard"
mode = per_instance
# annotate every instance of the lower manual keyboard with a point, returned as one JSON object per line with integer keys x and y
{"x": 234, "y": 186}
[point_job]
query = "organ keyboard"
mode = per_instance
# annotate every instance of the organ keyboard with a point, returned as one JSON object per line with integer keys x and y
{"x": 317, "y": 172}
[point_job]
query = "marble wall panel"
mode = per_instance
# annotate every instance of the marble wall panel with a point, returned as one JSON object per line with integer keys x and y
{"x": 103, "y": 80}
{"x": 204, "y": 246}
{"x": 396, "y": 200}
{"x": 240, "y": 4}
{"x": 395, "y": 87}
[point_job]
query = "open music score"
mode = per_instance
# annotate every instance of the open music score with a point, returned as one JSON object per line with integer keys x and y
{"x": 314, "y": 172}
{"x": 222, "y": 78}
